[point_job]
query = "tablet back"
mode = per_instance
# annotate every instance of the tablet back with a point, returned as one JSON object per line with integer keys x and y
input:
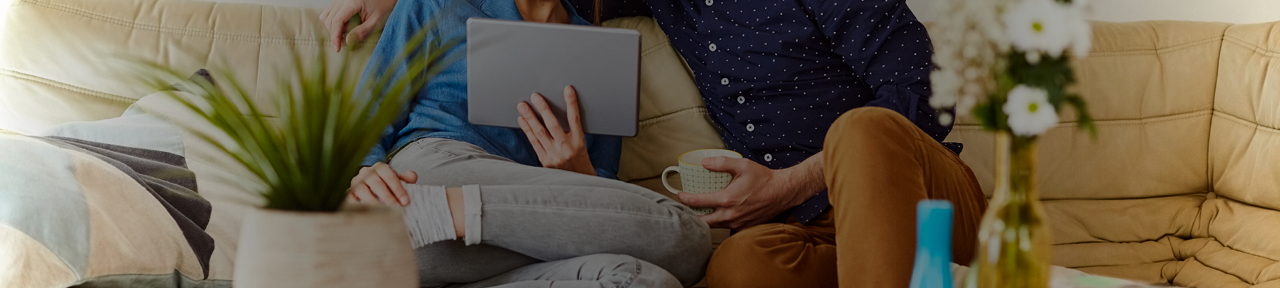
{"x": 509, "y": 60}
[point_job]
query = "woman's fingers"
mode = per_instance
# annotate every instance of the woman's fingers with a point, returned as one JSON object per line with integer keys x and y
{"x": 380, "y": 192}
{"x": 337, "y": 23}
{"x": 364, "y": 195}
{"x": 358, "y": 33}
{"x": 409, "y": 177}
{"x": 573, "y": 113}
{"x": 548, "y": 117}
{"x": 392, "y": 181}
{"x": 324, "y": 15}
{"x": 528, "y": 133}
{"x": 535, "y": 124}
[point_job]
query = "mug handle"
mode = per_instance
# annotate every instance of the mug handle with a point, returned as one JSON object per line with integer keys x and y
{"x": 664, "y": 179}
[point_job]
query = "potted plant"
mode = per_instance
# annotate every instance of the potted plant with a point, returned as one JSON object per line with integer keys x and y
{"x": 306, "y": 235}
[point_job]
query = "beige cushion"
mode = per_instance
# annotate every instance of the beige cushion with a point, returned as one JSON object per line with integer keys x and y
{"x": 1180, "y": 186}
{"x": 1150, "y": 86}
{"x": 1244, "y": 161}
{"x": 673, "y": 118}
{"x": 70, "y": 60}
{"x": 106, "y": 224}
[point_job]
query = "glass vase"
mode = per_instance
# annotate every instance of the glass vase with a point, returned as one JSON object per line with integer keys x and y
{"x": 1013, "y": 239}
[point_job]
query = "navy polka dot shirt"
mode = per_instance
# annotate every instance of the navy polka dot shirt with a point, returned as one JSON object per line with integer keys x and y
{"x": 776, "y": 74}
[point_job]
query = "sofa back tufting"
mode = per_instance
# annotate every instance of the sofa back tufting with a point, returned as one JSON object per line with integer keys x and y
{"x": 1182, "y": 185}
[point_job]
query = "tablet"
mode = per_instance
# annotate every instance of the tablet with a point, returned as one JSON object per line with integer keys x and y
{"x": 509, "y": 60}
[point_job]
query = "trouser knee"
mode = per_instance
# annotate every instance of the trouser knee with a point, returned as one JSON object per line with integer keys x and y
{"x": 615, "y": 270}
{"x": 869, "y": 123}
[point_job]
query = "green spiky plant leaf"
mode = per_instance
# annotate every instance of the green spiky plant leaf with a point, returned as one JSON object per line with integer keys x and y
{"x": 308, "y": 156}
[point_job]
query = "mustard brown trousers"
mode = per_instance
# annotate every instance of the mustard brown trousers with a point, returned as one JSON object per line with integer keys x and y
{"x": 877, "y": 165}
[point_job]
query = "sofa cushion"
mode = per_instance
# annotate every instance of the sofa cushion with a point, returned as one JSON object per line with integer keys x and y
{"x": 1245, "y": 145}
{"x": 1244, "y": 157}
{"x": 673, "y": 118}
{"x": 73, "y": 60}
{"x": 1129, "y": 203}
{"x": 73, "y": 215}
{"x": 1150, "y": 87}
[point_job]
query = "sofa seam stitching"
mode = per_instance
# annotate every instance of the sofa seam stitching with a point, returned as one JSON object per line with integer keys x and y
{"x": 180, "y": 31}
{"x": 671, "y": 116}
{"x": 1157, "y": 50}
{"x": 1245, "y": 122}
{"x": 1255, "y": 47}
{"x": 73, "y": 88}
{"x": 1127, "y": 122}
{"x": 655, "y": 48}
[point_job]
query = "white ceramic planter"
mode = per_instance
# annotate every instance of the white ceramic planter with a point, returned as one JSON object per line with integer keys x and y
{"x": 362, "y": 246}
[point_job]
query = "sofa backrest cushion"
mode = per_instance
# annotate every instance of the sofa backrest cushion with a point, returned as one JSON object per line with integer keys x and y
{"x": 1244, "y": 158}
{"x": 1150, "y": 88}
{"x": 1245, "y": 141}
{"x": 1128, "y": 204}
{"x": 73, "y": 60}
{"x": 673, "y": 117}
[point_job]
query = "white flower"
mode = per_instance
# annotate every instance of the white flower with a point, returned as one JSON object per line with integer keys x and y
{"x": 946, "y": 88}
{"x": 1081, "y": 33}
{"x": 1030, "y": 112}
{"x": 944, "y": 118}
{"x": 1040, "y": 26}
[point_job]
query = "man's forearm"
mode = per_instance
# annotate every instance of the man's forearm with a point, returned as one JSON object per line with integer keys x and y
{"x": 805, "y": 179}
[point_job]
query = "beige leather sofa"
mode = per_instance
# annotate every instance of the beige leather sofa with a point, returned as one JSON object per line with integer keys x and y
{"x": 1182, "y": 185}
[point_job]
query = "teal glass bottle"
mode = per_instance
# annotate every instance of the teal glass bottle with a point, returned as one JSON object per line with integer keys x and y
{"x": 933, "y": 245}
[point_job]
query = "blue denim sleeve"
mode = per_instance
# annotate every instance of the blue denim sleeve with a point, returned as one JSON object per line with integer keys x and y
{"x": 375, "y": 155}
{"x": 606, "y": 154}
{"x": 606, "y": 173}
{"x": 379, "y": 151}
{"x": 888, "y": 49}
{"x": 406, "y": 20}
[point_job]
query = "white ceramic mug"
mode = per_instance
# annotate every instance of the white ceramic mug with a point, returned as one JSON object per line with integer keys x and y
{"x": 696, "y": 179}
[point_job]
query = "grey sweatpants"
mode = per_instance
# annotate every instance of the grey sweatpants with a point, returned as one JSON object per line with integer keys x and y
{"x": 539, "y": 226}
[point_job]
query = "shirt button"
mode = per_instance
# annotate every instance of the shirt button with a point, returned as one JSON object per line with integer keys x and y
{"x": 751, "y": 127}
{"x": 768, "y": 157}
{"x": 712, "y": 47}
{"x": 709, "y": 2}
{"x": 742, "y": 99}
{"x": 724, "y": 81}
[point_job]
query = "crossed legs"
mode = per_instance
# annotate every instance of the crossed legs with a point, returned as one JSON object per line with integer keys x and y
{"x": 532, "y": 215}
{"x": 878, "y": 165}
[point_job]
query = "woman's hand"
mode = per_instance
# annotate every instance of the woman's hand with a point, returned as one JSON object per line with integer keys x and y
{"x": 373, "y": 15}
{"x": 380, "y": 184}
{"x": 555, "y": 148}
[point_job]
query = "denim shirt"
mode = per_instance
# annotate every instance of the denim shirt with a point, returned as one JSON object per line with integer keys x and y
{"x": 440, "y": 109}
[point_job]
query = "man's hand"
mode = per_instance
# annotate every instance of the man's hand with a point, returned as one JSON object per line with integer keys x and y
{"x": 373, "y": 15}
{"x": 380, "y": 184}
{"x": 757, "y": 193}
{"x": 555, "y": 148}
